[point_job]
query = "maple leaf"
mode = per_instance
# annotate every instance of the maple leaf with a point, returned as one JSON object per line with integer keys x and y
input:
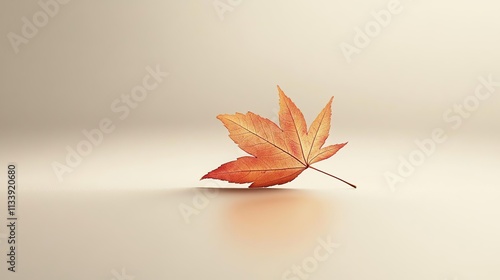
{"x": 278, "y": 153}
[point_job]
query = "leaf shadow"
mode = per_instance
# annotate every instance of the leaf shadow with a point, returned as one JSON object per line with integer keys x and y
{"x": 275, "y": 221}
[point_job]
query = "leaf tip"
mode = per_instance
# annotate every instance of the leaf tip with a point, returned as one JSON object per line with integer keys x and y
{"x": 220, "y": 117}
{"x": 281, "y": 92}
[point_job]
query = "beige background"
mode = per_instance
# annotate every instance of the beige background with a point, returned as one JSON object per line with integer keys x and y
{"x": 439, "y": 224}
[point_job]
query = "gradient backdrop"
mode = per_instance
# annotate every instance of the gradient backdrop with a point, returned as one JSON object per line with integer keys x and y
{"x": 108, "y": 108}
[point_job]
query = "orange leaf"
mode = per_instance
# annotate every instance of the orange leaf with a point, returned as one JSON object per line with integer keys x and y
{"x": 279, "y": 153}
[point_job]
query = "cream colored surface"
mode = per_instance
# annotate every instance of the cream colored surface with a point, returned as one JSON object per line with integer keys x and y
{"x": 258, "y": 234}
{"x": 117, "y": 211}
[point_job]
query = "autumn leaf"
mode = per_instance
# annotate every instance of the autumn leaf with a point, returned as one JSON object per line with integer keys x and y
{"x": 278, "y": 153}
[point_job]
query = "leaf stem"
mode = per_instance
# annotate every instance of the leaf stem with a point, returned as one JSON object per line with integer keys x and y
{"x": 354, "y": 186}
